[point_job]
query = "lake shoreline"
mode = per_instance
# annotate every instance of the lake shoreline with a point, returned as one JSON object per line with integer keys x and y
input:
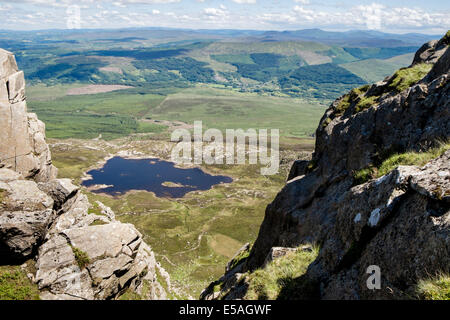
{"x": 120, "y": 174}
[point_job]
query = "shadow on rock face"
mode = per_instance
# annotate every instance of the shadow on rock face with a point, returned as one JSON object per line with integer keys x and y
{"x": 301, "y": 288}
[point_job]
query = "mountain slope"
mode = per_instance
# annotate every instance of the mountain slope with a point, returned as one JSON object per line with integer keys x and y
{"x": 366, "y": 198}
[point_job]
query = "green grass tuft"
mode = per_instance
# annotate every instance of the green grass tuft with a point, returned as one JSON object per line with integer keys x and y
{"x": 411, "y": 159}
{"x": 343, "y": 105}
{"x": 399, "y": 159}
{"x": 362, "y": 176}
{"x": 407, "y": 77}
{"x": 437, "y": 288}
{"x": 365, "y": 103}
{"x": 268, "y": 283}
{"x": 240, "y": 257}
{"x": 98, "y": 223}
{"x": 81, "y": 257}
{"x": 130, "y": 294}
{"x": 14, "y": 285}
{"x": 355, "y": 95}
{"x": 326, "y": 122}
{"x": 312, "y": 165}
{"x": 95, "y": 209}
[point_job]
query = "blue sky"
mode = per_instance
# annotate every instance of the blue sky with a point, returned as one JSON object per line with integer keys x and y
{"x": 400, "y": 16}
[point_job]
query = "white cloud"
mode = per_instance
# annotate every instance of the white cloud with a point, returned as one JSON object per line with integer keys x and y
{"x": 5, "y": 8}
{"x": 151, "y": 1}
{"x": 372, "y": 16}
{"x": 62, "y": 3}
{"x": 302, "y": 1}
{"x": 291, "y": 14}
{"x": 245, "y": 1}
{"x": 119, "y": 4}
{"x": 215, "y": 12}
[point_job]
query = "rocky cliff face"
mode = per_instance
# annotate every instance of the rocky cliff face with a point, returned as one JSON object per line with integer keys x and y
{"x": 22, "y": 144}
{"x": 78, "y": 254}
{"x": 399, "y": 222}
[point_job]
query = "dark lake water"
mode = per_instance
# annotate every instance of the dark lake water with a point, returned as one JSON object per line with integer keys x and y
{"x": 154, "y": 175}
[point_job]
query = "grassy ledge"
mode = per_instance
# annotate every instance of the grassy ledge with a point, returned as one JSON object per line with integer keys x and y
{"x": 401, "y": 80}
{"x": 130, "y": 294}
{"x": 357, "y": 95}
{"x": 240, "y": 258}
{"x": 399, "y": 159}
{"x": 280, "y": 276}
{"x": 407, "y": 77}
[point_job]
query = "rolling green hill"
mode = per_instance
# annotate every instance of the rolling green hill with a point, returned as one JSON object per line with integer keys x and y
{"x": 247, "y": 64}
{"x": 374, "y": 70}
{"x": 247, "y": 71}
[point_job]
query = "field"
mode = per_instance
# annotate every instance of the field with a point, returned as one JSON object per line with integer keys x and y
{"x": 225, "y": 109}
{"x": 111, "y": 115}
{"x": 373, "y": 70}
{"x": 121, "y": 113}
{"x": 95, "y": 88}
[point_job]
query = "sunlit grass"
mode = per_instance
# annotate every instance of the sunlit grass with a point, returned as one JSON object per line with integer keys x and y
{"x": 407, "y": 77}
{"x": 399, "y": 159}
{"x": 281, "y": 273}
{"x": 14, "y": 285}
{"x": 437, "y": 288}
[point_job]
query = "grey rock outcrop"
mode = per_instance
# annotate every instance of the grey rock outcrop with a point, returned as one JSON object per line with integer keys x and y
{"x": 116, "y": 258}
{"x": 78, "y": 254}
{"x": 22, "y": 147}
{"x": 400, "y": 222}
{"x": 25, "y": 214}
{"x": 278, "y": 252}
{"x": 432, "y": 51}
{"x": 397, "y": 223}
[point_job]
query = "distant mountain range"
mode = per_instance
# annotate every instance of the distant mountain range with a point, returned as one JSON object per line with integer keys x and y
{"x": 353, "y": 38}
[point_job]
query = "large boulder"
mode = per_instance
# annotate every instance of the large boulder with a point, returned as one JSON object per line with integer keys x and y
{"x": 61, "y": 190}
{"x": 25, "y": 214}
{"x": 92, "y": 256}
{"x": 116, "y": 260}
